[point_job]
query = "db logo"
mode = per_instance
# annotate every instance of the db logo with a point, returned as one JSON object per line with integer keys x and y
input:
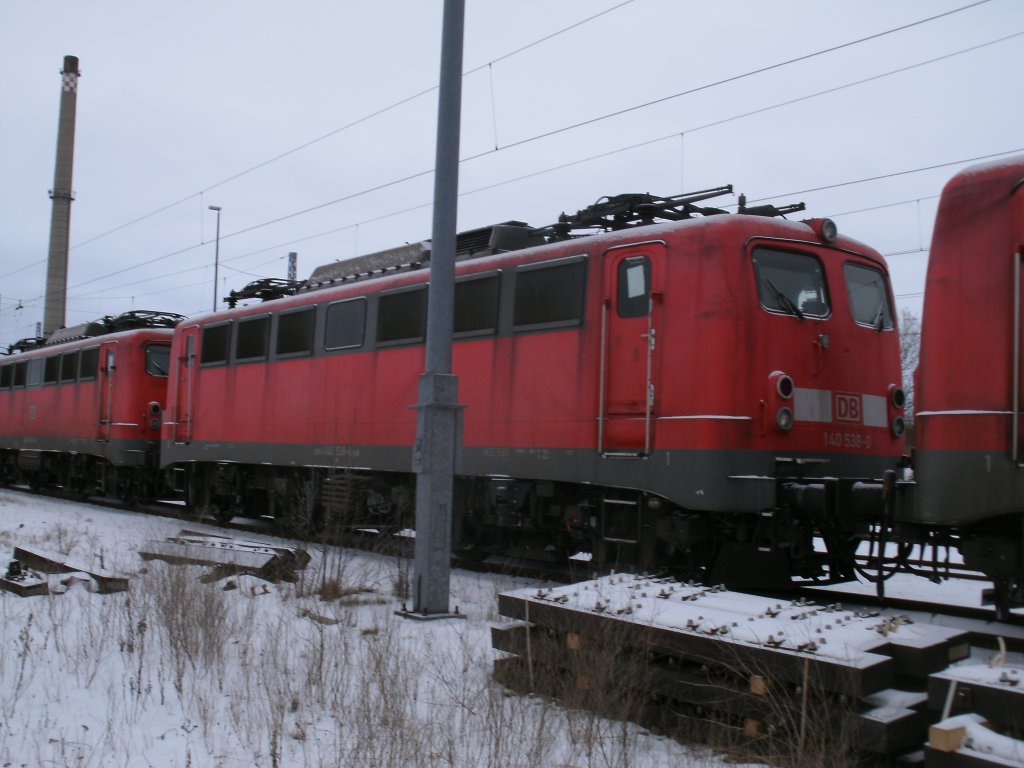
{"x": 848, "y": 407}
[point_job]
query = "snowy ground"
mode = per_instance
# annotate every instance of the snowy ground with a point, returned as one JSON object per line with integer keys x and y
{"x": 175, "y": 672}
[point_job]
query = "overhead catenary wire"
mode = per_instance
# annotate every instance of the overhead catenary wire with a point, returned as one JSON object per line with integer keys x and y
{"x": 891, "y": 175}
{"x": 547, "y": 134}
{"x": 540, "y": 136}
{"x": 731, "y": 79}
{"x": 837, "y": 185}
{"x": 352, "y": 124}
{"x": 630, "y": 147}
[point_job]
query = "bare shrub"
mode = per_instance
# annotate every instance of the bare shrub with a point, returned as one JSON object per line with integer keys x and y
{"x": 93, "y": 642}
{"x": 194, "y": 619}
{"x": 23, "y": 670}
{"x": 66, "y": 539}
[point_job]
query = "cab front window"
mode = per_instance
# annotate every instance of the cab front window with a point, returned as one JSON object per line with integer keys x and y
{"x": 791, "y": 283}
{"x": 869, "y": 297}
{"x": 158, "y": 359}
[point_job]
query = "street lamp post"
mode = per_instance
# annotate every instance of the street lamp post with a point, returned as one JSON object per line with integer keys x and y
{"x": 216, "y": 256}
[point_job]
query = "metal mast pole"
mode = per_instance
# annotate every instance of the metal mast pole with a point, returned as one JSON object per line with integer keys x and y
{"x": 216, "y": 255}
{"x": 54, "y": 308}
{"x": 438, "y": 437}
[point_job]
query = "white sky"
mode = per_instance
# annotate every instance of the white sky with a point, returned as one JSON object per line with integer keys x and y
{"x": 176, "y": 98}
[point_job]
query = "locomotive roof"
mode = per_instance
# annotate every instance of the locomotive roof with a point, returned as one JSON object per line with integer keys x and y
{"x": 1011, "y": 167}
{"x": 608, "y": 222}
{"x": 608, "y": 214}
{"x": 386, "y": 276}
{"x": 139, "y": 319}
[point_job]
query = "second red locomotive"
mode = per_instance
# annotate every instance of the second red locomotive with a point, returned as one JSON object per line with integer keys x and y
{"x": 710, "y": 393}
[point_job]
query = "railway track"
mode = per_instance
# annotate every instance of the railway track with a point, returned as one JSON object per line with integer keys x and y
{"x": 979, "y": 620}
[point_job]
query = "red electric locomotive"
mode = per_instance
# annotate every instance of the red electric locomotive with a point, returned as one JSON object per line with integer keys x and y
{"x": 82, "y": 409}
{"x": 968, "y": 471}
{"x": 709, "y": 393}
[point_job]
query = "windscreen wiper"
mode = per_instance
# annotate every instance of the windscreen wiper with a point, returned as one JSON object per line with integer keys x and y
{"x": 879, "y": 321}
{"x": 785, "y": 301}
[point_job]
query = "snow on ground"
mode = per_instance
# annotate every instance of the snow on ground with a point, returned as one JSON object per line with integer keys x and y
{"x": 176, "y": 672}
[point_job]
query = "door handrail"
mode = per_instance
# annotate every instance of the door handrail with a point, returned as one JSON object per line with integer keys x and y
{"x": 649, "y": 389}
{"x": 601, "y": 394}
{"x": 1015, "y": 427}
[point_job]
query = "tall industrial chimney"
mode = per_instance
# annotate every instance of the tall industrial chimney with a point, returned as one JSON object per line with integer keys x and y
{"x": 60, "y": 218}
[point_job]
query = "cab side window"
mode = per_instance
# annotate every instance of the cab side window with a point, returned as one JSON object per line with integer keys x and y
{"x": 634, "y": 289}
{"x": 295, "y": 332}
{"x": 549, "y": 295}
{"x": 215, "y": 344}
{"x": 253, "y": 338}
{"x": 345, "y": 325}
{"x": 869, "y": 296}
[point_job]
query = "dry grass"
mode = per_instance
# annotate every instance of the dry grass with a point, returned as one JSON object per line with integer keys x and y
{"x": 319, "y": 673}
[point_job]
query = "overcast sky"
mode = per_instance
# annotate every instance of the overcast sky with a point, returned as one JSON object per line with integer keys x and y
{"x": 186, "y": 104}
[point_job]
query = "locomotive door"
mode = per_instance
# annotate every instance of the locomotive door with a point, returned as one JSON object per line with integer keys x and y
{"x": 629, "y": 349}
{"x": 105, "y": 416}
{"x": 184, "y": 388}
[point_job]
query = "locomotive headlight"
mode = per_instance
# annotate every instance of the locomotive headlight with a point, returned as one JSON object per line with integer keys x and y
{"x": 825, "y": 229}
{"x": 898, "y": 426}
{"x": 154, "y": 412}
{"x": 782, "y": 384}
{"x": 897, "y": 397}
{"x": 784, "y": 419}
{"x": 784, "y": 387}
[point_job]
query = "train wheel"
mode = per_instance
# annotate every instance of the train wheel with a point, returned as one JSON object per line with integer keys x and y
{"x": 127, "y": 489}
{"x": 81, "y": 488}
{"x": 197, "y": 492}
{"x": 7, "y": 474}
{"x": 1008, "y": 594}
{"x": 305, "y": 511}
{"x": 223, "y": 514}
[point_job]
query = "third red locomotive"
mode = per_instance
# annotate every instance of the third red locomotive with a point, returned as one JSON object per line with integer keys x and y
{"x": 82, "y": 409}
